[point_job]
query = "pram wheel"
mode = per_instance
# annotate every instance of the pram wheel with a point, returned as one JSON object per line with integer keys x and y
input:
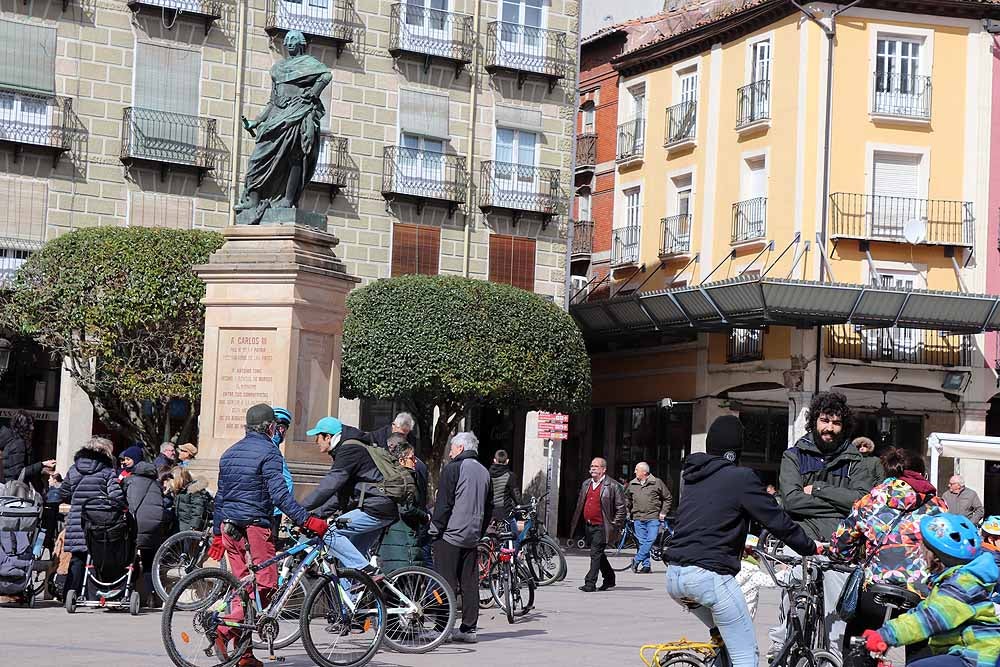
{"x": 134, "y": 603}
{"x": 70, "y": 601}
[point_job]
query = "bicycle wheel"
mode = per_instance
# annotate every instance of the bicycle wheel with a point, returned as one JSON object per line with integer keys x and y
{"x": 523, "y": 591}
{"x": 177, "y": 557}
{"x": 213, "y": 598}
{"x": 623, "y": 555}
{"x": 343, "y": 620}
{"x": 288, "y": 631}
{"x": 420, "y": 609}
{"x": 544, "y": 559}
{"x": 485, "y": 564}
{"x": 814, "y": 659}
{"x": 501, "y": 583}
{"x": 684, "y": 659}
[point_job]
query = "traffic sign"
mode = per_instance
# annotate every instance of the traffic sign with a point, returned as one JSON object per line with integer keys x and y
{"x": 553, "y": 426}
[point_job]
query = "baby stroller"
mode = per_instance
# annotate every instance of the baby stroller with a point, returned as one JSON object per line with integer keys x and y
{"x": 21, "y": 540}
{"x": 111, "y": 558}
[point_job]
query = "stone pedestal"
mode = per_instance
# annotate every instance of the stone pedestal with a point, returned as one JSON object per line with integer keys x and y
{"x": 274, "y": 313}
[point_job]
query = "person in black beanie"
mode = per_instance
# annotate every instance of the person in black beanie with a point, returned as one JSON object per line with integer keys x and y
{"x": 718, "y": 502}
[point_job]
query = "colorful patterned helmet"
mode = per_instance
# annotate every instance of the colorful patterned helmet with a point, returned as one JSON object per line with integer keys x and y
{"x": 283, "y": 415}
{"x": 991, "y": 526}
{"x": 951, "y": 536}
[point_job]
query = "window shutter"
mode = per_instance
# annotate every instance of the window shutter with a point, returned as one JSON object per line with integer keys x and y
{"x": 896, "y": 175}
{"x": 22, "y": 218}
{"x": 424, "y": 114}
{"x": 501, "y": 251}
{"x": 523, "y": 264}
{"x": 167, "y": 79}
{"x": 519, "y": 119}
{"x": 28, "y": 56}
{"x": 415, "y": 249}
{"x": 428, "y": 250}
{"x": 147, "y": 209}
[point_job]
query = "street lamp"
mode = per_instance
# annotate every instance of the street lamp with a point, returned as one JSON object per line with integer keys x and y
{"x": 5, "y": 348}
{"x": 884, "y": 416}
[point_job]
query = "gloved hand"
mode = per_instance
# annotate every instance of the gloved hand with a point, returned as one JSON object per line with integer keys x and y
{"x": 820, "y": 548}
{"x": 316, "y": 525}
{"x": 874, "y": 641}
{"x": 216, "y": 551}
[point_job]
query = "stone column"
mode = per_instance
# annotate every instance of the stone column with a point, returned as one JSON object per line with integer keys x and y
{"x": 972, "y": 421}
{"x": 76, "y": 420}
{"x": 540, "y": 470}
{"x": 274, "y": 314}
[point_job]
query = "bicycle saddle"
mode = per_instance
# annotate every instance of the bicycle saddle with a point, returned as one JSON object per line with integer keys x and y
{"x": 890, "y": 594}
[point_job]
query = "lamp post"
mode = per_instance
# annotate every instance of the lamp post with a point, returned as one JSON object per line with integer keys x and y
{"x": 885, "y": 416}
{"x": 5, "y": 354}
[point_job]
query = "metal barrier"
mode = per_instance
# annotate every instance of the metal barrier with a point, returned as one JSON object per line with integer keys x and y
{"x": 753, "y": 103}
{"x": 945, "y": 222}
{"x": 749, "y": 220}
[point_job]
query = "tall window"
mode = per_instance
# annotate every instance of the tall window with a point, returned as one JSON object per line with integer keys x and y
{"x": 512, "y": 261}
{"x": 583, "y": 206}
{"x": 760, "y": 67}
{"x": 27, "y": 81}
{"x": 415, "y": 249}
{"x": 689, "y": 86}
{"x": 167, "y": 85}
{"x": 633, "y": 207}
{"x": 521, "y": 32}
{"x": 515, "y": 164}
{"x": 899, "y": 86}
{"x": 897, "y": 192}
{"x": 588, "y": 118}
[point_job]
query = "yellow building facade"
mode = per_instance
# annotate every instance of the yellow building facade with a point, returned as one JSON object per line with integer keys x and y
{"x": 721, "y": 181}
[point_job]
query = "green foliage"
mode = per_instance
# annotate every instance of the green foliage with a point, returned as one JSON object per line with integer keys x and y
{"x": 124, "y": 306}
{"x": 446, "y": 339}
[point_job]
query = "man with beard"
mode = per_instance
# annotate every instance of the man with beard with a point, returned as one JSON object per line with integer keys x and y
{"x": 821, "y": 478}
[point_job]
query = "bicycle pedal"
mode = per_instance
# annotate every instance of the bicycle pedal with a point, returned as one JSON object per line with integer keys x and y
{"x": 276, "y": 658}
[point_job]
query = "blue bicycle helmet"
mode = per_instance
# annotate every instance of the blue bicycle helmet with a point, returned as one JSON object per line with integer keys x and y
{"x": 951, "y": 537}
{"x": 283, "y": 415}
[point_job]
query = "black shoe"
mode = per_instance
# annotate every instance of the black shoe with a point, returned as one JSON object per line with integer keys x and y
{"x": 588, "y": 588}
{"x": 644, "y": 570}
{"x": 374, "y": 573}
{"x": 606, "y": 586}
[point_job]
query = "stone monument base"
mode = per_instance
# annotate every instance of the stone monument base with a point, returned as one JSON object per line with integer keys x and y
{"x": 283, "y": 216}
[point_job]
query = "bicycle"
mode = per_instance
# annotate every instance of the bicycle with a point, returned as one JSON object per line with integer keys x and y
{"x": 626, "y": 547}
{"x": 540, "y": 553}
{"x": 178, "y": 556}
{"x": 345, "y": 608}
{"x": 508, "y": 577}
{"x": 486, "y": 557}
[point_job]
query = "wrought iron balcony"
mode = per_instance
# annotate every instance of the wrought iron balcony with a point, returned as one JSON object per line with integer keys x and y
{"x": 586, "y": 152}
{"x": 675, "y": 235}
{"x": 36, "y": 121}
{"x": 901, "y": 96}
{"x": 207, "y": 11}
{"x": 583, "y": 238}
{"x": 331, "y": 21}
{"x": 753, "y": 104}
{"x": 526, "y": 50}
{"x": 749, "y": 220}
{"x": 682, "y": 124}
{"x": 331, "y": 169}
{"x": 631, "y": 139}
{"x": 169, "y": 140}
{"x": 520, "y": 189}
{"x": 625, "y": 245}
{"x": 421, "y": 176}
{"x": 431, "y": 33}
{"x": 745, "y": 345}
{"x": 902, "y": 219}
{"x": 899, "y": 346}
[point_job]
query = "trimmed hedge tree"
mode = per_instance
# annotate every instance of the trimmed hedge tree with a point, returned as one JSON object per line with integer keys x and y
{"x": 123, "y": 307}
{"x": 452, "y": 343}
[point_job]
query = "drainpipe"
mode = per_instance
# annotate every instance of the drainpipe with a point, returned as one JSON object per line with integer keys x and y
{"x": 570, "y": 226}
{"x": 470, "y": 151}
{"x": 830, "y": 30}
{"x": 234, "y": 170}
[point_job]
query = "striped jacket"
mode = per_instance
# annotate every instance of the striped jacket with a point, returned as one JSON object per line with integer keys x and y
{"x": 958, "y": 617}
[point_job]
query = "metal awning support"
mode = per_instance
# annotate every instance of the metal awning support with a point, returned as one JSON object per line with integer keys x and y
{"x": 714, "y": 305}
{"x": 641, "y": 268}
{"x": 645, "y": 311}
{"x": 681, "y": 272}
{"x": 876, "y": 276}
{"x": 729, "y": 257}
{"x": 902, "y": 308}
{"x": 768, "y": 248}
{"x": 681, "y": 308}
{"x": 821, "y": 244}
{"x": 787, "y": 248}
{"x": 958, "y": 273}
{"x": 653, "y": 273}
{"x": 989, "y": 317}
{"x": 798, "y": 258}
{"x": 857, "y": 303}
{"x": 584, "y": 288}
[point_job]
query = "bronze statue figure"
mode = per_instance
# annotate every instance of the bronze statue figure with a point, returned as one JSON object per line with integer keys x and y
{"x": 287, "y": 133}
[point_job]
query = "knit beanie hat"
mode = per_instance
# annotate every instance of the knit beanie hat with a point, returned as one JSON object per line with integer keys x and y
{"x": 725, "y": 438}
{"x": 134, "y": 452}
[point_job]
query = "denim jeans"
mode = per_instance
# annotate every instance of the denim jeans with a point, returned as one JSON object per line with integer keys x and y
{"x": 646, "y": 531}
{"x": 718, "y": 602}
{"x": 351, "y": 543}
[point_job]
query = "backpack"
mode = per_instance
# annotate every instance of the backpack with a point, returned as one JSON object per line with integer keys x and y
{"x": 398, "y": 481}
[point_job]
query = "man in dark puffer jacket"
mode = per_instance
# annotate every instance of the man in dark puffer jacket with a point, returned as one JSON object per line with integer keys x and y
{"x": 145, "y": 502}
{"x": 92, "y": 476}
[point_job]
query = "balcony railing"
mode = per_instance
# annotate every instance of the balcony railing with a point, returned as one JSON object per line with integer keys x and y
{"x": 745, "y": 345}
{"x": 331, "y": 169}
{"x": 208, "y": 11}
{"x": 583, "y": 238}
{"x": 753, "y": 104}
{"x": 903, "y": 96}
{"x": 902, "y": 219}
{"x": 11, "y": 259}
{"x": 586, "y": 151}
{"x": 333, "y": 21}
{"x": 625, "y": 245}
{"x": 37, "y": 121}
{"x": 749, "y": 220}
{"x": 631, "y": 139}
{"x": 431, "y": 33}
{"x": 682, "y": 123}
{"x": 419, "y": 176}
{"x": 527, "y": 50}
{"x": 168, "y": 139}
{"x": 520, "y": 188}
{"x": 675, "y": 235}
{"x": 899, "y": 346}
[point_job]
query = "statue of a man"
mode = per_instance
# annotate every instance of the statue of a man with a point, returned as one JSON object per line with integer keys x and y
{"x": 287, "y": 132}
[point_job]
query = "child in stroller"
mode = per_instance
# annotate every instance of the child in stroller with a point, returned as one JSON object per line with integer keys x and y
{"x": 111, "y": 558}
{"x": 21, "y": 540}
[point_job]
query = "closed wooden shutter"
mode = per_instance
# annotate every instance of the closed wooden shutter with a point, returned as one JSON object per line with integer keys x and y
{"x": 22, "y": 218}
{"x": 148, "y": 209}
{"x": 512, "y": 261}
{"x": 28, "y": 56}
{"x": 415, "y": 249}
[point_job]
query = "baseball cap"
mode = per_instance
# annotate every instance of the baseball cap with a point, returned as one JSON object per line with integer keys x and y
{"x": 262, "y": 413}
{"x": 329, "y": 425}
{"x": 188, "y": 448}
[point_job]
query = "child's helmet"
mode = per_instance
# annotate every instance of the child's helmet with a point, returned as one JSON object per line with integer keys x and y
{"x": 991, "y": 526}
{"x": 951, "y": 537}
{"x": 283, "y": 415}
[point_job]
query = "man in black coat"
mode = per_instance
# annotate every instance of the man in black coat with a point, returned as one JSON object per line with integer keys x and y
{"x": 15, "y": 443}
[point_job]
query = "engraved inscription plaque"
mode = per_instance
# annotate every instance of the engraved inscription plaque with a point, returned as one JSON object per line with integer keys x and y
{"x": 246, "y": 377}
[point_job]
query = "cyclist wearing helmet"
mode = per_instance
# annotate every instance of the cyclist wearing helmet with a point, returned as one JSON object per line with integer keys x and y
{"x": 958, "y": 617}
{"x": 284, "y": 418}
{"x": 991, "y": 536}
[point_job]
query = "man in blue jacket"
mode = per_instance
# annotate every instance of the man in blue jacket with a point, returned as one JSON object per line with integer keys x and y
{"x": 251, "y": 484}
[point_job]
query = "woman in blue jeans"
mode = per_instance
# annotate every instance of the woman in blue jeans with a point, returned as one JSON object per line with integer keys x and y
{"x": 718, "y": 502}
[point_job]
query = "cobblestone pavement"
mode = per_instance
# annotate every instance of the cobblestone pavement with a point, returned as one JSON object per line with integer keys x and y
{"x": 567, "y": 627}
